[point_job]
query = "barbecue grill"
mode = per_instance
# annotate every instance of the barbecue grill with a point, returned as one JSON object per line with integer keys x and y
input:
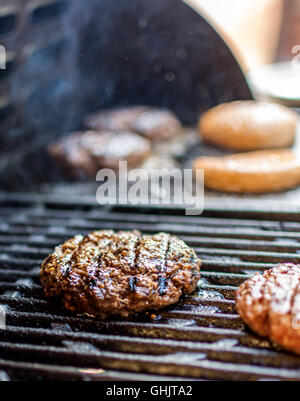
{"x": 201, "y": 337}
{"x": 64, "y": 60}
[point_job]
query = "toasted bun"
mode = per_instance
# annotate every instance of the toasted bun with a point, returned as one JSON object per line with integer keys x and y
{"x": 249, "y": 125}
{"x": 252, "y": 172}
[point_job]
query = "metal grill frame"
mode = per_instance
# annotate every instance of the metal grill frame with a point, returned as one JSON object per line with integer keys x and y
{"x": 201, "y": 337}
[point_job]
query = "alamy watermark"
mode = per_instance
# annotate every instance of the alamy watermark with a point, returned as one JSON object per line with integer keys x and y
{"x": 2, "y": 317}
{"x": 159, "y": 187}
{"x": 3, "y": 58}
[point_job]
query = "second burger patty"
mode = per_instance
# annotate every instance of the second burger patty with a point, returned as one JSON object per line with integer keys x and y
{"x": 152, "y": 123}
{"x": 270, "y": 305}
{"x": 82, "y": 154}
{"x": 107, "y": 273}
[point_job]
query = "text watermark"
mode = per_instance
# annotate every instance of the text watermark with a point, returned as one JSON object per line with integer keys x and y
{"x": 155, "y": 187}
{"x": 3, "y": 58}
{"x": 2, "y": 317}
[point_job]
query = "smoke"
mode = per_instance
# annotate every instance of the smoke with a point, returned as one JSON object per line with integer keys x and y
{"x": 105, "y": 53}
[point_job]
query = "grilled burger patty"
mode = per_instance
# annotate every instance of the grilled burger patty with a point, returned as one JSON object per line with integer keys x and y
{"x": 270, "y": 305}
{"x": 107, "y": 273}
{"x": 114, "y": 119}
{"x": 82, "y": 154}
{"x": 156, "y": 124}
{"x": 150, "y": 122}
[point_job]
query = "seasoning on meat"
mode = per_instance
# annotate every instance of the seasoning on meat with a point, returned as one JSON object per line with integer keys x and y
{"x": 270, "y": 305}
{"x": 107, "y": 273}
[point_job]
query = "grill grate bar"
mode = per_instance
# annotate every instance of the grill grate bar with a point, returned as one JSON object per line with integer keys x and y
{"x": 60, "y": 233}
{"x": 189, "y": 365}
{"x": 176, "y": 330}
{"x": 25, "y": 303}
{"x": 240, "y": 208}
{"x": 43, "y": 241}
{"x": 180, "y": 229}
{"x": 143, "y": 345}
{"x": 22, "y": 370}
{"x": 234, "y": 267}
{"x": 97, "y": 215}
{"x": 179, "y": 332}
{"x": 247, "y": 256}
{"x": 283, "y": 245}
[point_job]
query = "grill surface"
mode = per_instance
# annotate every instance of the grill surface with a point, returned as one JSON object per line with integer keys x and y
{"x": 201, "y": 337}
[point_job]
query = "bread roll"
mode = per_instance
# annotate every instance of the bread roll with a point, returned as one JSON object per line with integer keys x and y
{"x": 252, "y": 172}
{"x": 249, "y": 125}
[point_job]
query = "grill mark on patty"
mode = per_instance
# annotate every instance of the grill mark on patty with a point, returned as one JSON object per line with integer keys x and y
{"x": 133, "y": 280}
{"x": 136, "y": 253}
{"x": 96, "y": 270}
{"x": 132, "y": 283}
{"x": 81, "y": 259}
{"x": 293, "y": 299}
{"x": 266, "y": 293}
{"x": 67, "y": 271}
{"x": 162, "y": 285}
{"x": 267, "y": 296}
{"x": 94, "y": 274}
{"x": 162, "y": 280}
{"x": 266, "y": 320}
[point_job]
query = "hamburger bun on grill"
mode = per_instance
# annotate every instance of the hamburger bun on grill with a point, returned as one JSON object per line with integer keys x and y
{"x": 249, "y": 125}
{"x": 253, "y": 172}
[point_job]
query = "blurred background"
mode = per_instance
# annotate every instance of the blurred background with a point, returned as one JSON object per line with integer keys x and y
{"x": 65, "y": 61}
{"x": 260, "y": 33}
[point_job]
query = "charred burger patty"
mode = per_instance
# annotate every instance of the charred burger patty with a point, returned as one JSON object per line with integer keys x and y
{"x": 270, "y": 305}
{"x": 107, "y": 273}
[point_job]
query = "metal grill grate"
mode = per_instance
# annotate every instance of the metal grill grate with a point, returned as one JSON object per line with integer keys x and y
{"x": 201, "y": 337}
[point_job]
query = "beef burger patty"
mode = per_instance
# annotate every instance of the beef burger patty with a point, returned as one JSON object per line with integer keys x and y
{"x": 118, "y": 119}
{"x": 82, "y": 154}
{"x": 108, "y": 273}
{"x": 270, "y": 305}
{"x": 153, "y": 123}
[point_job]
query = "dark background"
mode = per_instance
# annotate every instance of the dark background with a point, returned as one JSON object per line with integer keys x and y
{"x": 73, "y": 57}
